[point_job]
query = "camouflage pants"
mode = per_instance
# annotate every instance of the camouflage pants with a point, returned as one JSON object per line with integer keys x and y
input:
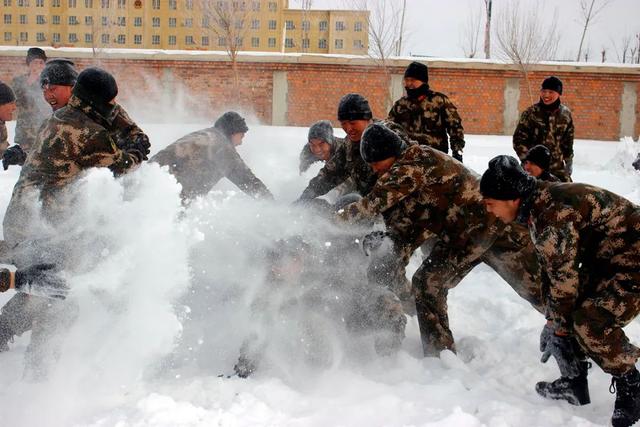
{"x": 598, "y": 324}
{"x": 45, "y": 318}
{"x": 511, "y": 255}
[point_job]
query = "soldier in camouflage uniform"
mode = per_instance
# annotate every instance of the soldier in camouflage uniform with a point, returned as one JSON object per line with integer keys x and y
{"x": 422, "y": 192}
{"x": 202, "y": 158}
{"x": 548, "y": 123}
{"x": 428, "y": 116}
{"x": 588, "y": 244}
{"x": 320, "y": 146}
{"x": 91, "y": 131}
{"x": 7, "y": 109}
{"x": 536, "y": 163}
{"x": 32, "y": 108}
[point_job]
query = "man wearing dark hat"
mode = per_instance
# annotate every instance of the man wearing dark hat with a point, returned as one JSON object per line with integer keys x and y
{"x": 32, "y": 108}
{"x": 548, "y": 123}
{"x": 421, "y": 192}
{"x": 536, "y": 163}
{"x": 429, "y": 117}
{"x": 77, "y": 137}
{"x": 7, "y": 110}
{"x": 202, "y": 158}
{"x": 587, "y": 240}
{"x": 321, "y": 144}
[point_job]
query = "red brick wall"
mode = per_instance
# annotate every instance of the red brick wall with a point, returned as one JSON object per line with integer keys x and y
{"x": 201, "y": 89}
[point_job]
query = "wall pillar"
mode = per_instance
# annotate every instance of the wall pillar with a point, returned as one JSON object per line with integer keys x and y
{"x": 628, "y": 111}
{"x": 279, "y": 101}
{"x": 510, "y": 114}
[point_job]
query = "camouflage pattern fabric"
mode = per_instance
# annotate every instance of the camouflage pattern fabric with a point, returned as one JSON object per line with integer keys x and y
{"x": 427, "y": 193}
{"x": 202, "y": 158}
{"x": 347, "y": 163}
{"x": 4, "y": 138}
{"x": 546, "y": 176}
{"x": 429, "y": 119}
{"x": 33, "y": 110}
{"x": 588, "y": 243}
{"x": 73, "y": 140}
{"x": 553, "y": 129}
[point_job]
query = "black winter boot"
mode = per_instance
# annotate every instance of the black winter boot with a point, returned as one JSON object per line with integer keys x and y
{"x": 627, "y": 407}
{"x": 573, "y": 390}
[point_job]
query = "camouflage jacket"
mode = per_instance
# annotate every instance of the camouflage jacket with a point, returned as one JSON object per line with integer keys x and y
{"x": 426, "y": 192}
{"x": 553, "y": 129}
{"x": 581, "y": 233}
{"x": 307, "y": 158}
{"x": 429, "y": 120}
{"x": 32, "y": 111}
{"x": 202, "y": 158}
{"x": 4, "y": 138}
{"x": 347, "y": 163}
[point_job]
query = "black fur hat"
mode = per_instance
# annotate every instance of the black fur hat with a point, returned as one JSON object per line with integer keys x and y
{"x": 552, "y": 83}
{"x": 96, "y": 87}
{"x": 505, "y": 179}
{"x": 6, "y": 94}
{"x": 539, "y": 155}
{"x": 230, "y": 123}
{"x": 417, "y": 71}
{"x": 354, "y": 106}
{"x": 35, "y": 53}
{"x": 380, "y": 143}
{"x": 59, "y": 72}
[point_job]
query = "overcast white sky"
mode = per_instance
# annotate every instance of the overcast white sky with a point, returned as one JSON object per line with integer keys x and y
{"x": 434, "y": 26}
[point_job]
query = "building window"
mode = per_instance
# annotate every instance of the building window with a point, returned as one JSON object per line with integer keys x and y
{"x": 357, "y": 27}
{"x": 137, "y": 21}
{"x": 23, "y": 19}
{"x": 72, "y": 3}
{"x": 239, "y": 41}
{"x": 40, "y": 19}
{"x": 7, "y": 19}
{"x": 24, "y": 36}
{"x": 306, "y": 25}
{"x": 40, "y": 37}
{"x": 273, "y": 24}
{"x": 155, "y": 4}
{"x": 188, "y": 40}
{"x": 73, "y": 38}
{"x": 55, "y": 19}
{"x": 339, "y": 43}
{"x": 172, "y": 22}
{"x": 40, "y": 3}
{"x": 239, "y": 5}
{"x": 255, "y": 24}
{"x": 55, "y": 3}
{"x": 305, "y": 43}
{"x": 324, "y": 25}
{"x": 105, "y": 21}
{"x": 23, "y": 3}
{"x": 173, "y": 4}
{"x": 88, "y": 20}
{"x": 137, "y": 39}
{"x": 7, "y": 3}
{"x": 289, "y": 25}
{"x": 272, "y": 42}
{"x": 105, "y": 39}
{"x": 121, "y": 39}
{"x": 322, "y": 44}
{"x": 188, "y": 22}
{"x": 56, "y": 37}
{"x": 7, "y": 36}
{"x": 88, "y": 38}
{"x": 273, "y": 6}
{"x": 340, "y": 26}
{"x": 104, "y": 4}
{"x": 122, "y": 4}
{"x": 122, "y": 21}
{"x": 155, "y": 21}
{"x": 222, "y": 41}
{"x": 255, "y": 6}
{"x": 223, "y": 5}
{"x": 205, "y": 40}
{"x": 73, "y": 20}
{"x": 172, "y": 40}
{"x": 205, "y": 22}
{"x": 189, "y": 4}
{"x": 155, "y": 39}
{"x": 357, "y": 44}
{"x": 288, "y": 42}
{"x": 88, "y": 4}
{"x": 255, "y": 42}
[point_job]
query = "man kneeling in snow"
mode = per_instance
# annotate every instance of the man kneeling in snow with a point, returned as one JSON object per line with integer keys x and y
{"x": 202, "y": 158}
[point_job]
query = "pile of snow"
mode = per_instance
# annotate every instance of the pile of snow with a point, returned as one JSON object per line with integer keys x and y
{"x": 165, "y": 304}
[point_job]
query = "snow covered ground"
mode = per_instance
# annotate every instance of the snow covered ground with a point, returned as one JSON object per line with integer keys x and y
{"x": 131, "y": 360}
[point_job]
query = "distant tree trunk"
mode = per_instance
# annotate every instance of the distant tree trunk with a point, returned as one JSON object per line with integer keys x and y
{"x": 487, "y": 29}
{"x": 589, "y": 14}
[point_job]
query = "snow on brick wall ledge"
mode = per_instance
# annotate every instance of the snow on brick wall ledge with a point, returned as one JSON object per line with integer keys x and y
{"x": 195, "y": 86}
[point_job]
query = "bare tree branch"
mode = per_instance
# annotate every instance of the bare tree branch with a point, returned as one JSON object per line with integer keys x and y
{"x": 589, "y": 11}
{"x": 470, "y": 33}
{"x": 488, "y": 6}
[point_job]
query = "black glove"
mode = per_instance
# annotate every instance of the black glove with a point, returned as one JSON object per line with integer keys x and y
{"x": 456, "y": 154}
{"x": 41, "y": 280}
{"x": 568, "y": 166}
{"x": 13, "y": 155}
{"x": 373, "y": 241}
{"x": 561, "y": 347}
{"x": 546, "y": 333}
{"x": 139, "y": 147}
{"x": 244, "y": 367}
{"x": 636, "y": 163}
